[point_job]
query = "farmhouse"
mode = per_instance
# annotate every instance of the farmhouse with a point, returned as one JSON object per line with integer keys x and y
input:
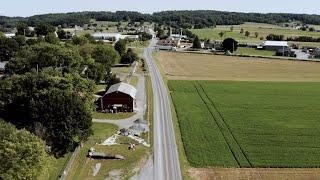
{"x": 275, "y": 45}
{"x": 168, "y": 44}
{"x": 119, "y": 98}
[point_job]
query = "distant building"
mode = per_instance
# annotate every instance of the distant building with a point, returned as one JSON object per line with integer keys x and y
{"x": 178, "y": 36}
{"x": 308, "y": 49}
{"x": 107, "y": 36}
{"x": 130, "y": 37}
{"x": 213, "y": 45}
{"x": 2, "y": 67}
{"x": 9, "y": 35}
{"x": 168, "y": 44}
{"x": 315, "y": 53}
{"x": 275, "y": 45}
{"x": 114, "y": 37}
{"x": 119, "y": 98}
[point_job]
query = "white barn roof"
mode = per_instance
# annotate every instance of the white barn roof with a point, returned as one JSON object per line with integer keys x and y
{"x": 9, "y": 35}
{"x": 99, "y": 35}
{"x": 276, "y": 43}
{"x": 124, "y": 88}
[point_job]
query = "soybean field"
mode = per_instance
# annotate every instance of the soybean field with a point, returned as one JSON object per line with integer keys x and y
{"x": 249, "y": 124}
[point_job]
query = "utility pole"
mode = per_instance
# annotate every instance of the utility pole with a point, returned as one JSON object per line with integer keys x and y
{"x": 233, "y": 47}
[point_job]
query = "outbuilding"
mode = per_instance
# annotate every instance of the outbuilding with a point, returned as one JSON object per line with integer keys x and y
{"x": 119, "y": 98}
{"x": 276, "y": 45}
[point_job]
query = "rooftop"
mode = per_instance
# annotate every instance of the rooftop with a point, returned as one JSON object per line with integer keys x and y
{"x": 124, "y": 88}
{"x": 276, "y": 43}
{"x": 106, "y": 34}
{"x": 2, "y": 65}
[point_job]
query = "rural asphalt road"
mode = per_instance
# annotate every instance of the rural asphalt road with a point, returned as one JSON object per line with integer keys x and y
{"x": 166, "y": 158}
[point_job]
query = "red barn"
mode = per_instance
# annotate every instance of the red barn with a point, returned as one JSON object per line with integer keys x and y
{"x": 119, "y": 97}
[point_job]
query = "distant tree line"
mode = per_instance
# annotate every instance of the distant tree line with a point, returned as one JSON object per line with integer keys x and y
{"x": 48, "y": 89}
{"x": 303, "y": 39}
{"x": 178, "y": 19}
{"x": 276, "y": 37}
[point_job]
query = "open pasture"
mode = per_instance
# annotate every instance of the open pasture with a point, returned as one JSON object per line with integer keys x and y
{"x": 249, "y": 124}
{"x": 186, "y": 66}
{"x": 263, "y": 29}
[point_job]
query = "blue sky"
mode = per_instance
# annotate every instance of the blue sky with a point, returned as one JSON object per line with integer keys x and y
{"x": 32, "y": 7}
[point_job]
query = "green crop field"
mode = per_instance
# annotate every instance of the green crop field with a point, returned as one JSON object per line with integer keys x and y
{"x": 249, "y": 124}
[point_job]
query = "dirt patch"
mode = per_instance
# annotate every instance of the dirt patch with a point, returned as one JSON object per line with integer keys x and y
{"x": 256, "y": 174}
{"x": 186, "y": 66}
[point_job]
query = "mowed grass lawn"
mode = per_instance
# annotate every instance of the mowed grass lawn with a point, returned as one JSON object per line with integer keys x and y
{"x": 249, "y": 124}
{"x": 82, "y": 167}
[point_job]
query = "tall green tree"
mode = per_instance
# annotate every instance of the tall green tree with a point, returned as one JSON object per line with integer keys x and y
{"x": 23, "y": 155}
{"x": 43, "y": 29}
{"x": 62, "y": 34}
{"x": 196, "y": 43}
{"x": 221, "y": 34}
{"x": 23, "y": 29}
{"x": 247, "y": 33}
{"x": 129, "y": 57}
{"x": 7, "y": 48}
{"x": 80, "y": 40}
{"x": 52, "y": 39}
{"x": 54, "y": 108}
{"x": 20, "y": 39}
{"x": 121, "y": 46}
{"x": 230, "y": 45}
{"x": 43, "y": 55}
{"x": 256, "y": 34}
{"x": 106, "y": 55}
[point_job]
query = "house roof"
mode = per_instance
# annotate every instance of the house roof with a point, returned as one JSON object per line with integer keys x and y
{"x": 8, "y": 35}
{"x": 276, "y": 43}
{"x": 124, "y": 88}
{"x": 2, "y": 65}
{"x": 168, "y": 42}
{"x": 116, "y": 35}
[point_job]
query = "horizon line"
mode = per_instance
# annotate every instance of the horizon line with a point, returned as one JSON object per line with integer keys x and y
{"x": 150, "y": 13}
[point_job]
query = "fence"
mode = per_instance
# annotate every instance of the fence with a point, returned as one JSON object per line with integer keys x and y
{"x": 69, "y": 165}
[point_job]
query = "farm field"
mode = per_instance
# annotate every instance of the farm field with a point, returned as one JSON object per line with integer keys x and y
{"x": 254, "y": 52}
{"x": 248, "y": 124}
{"x": 254, "y": 173}
{"x": 186, "y": 66}
{"x": 262, "y": 29}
